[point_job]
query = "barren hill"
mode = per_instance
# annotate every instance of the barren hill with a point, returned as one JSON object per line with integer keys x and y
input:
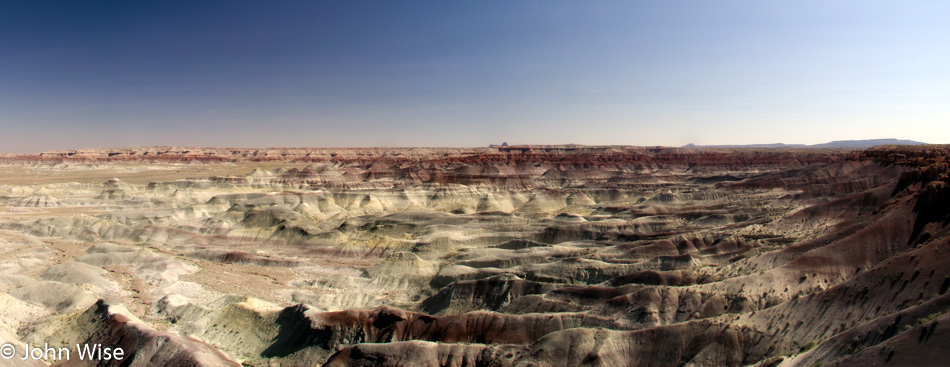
{"x": 502, "y": 256}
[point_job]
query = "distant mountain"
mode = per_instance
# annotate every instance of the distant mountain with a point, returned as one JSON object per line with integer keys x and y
{"x": 866, "y": 143}
{"x": 833, "y": 144}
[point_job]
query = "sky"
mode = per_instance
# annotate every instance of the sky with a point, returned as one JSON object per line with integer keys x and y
{"x": 113, "y": 74}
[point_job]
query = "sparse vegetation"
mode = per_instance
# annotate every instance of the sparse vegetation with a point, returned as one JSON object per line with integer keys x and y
{"x": 807, "y": 347}
{"x": 929, "y": 318}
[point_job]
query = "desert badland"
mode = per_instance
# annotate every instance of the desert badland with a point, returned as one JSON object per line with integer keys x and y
{"x": 503, "y": 256}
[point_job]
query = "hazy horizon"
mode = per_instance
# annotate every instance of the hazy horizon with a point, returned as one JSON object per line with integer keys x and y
{"x": 754, "y": 145}
{"x": 468, "y": 74}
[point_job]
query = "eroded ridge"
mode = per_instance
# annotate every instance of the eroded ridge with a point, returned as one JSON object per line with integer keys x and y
{"x": 509, "y": 256}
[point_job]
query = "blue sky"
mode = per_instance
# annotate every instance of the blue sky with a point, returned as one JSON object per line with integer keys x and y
{"x": 470, "y": 73}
